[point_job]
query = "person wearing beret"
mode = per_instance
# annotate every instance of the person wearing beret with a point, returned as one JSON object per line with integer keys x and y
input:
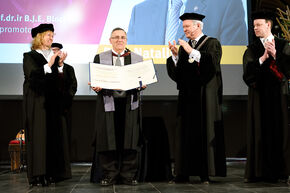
{"x": 70, "y": 83}
{"x": 45, "y": 128}
{"x": 195, "y": 67}
{"x": 69, "y": 88}
{"x": 56, "y": 47}
{"x": 266, "y": 65}
{"x": 225, "y": 20}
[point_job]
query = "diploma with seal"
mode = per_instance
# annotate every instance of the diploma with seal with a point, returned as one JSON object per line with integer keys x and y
{"x": 122, "y": 77}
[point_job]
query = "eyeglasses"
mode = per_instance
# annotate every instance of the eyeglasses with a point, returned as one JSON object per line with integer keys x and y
{"x": 119, "y": 37}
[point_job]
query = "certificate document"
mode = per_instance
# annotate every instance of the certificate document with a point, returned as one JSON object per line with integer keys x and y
{"x": 122, "y": 77}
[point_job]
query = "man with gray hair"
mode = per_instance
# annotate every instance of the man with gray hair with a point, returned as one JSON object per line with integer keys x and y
{"x": 195, "y": 67}
{"x": 117, "y": 130}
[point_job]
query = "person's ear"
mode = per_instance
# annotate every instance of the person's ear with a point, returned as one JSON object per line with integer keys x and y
{"x": 269, "y": 24}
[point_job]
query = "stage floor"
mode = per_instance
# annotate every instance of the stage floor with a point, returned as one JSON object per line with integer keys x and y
{"x": 16, "y": 182}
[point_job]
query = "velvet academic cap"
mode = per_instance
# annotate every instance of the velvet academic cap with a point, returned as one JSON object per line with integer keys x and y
{"x": 58, "y": 45}
{"x": 192, "y": 16}
{"x": 263, "y": 15}
{"x": 42, "y": 28}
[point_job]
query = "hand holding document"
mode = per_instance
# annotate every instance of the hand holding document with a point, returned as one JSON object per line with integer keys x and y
{"x": 122, "y": 77}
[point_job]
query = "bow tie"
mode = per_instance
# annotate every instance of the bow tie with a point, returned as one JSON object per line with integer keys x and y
{"x": 123, "y": 55}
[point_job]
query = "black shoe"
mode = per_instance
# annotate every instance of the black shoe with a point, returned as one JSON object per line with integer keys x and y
{"x": 179, "y": 179}
{"x": 107, "y": 181}
{"x": 38, "y": 181}
{"x": 34, "y": 183}
{"x": 205, "y": 180}
{"x": 283, "y": 179}
{"x": 270, "y": 180}
{"x": 252, "y": 180}
{"x": 43, "y": 181}
{"x": 50, "y": 180}
{"x": 131, "y": 182}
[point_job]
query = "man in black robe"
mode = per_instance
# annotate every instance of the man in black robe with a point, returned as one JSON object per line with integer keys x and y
{"x": 266, "y": 72}
{"x": 117, "y": 130}
{"x": 68, "y": 88}
{"x": 45, "y": 127}
{"x": 195, "y": 67}
{"x": 68, "y": 85}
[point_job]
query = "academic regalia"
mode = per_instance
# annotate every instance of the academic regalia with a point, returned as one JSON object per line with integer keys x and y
{"x": 44, "y": 121}
{"x": 268, "y": 136}
{"x": 69, "y": 89}
{"x": 117, "y": 123}
{"x": 199, "y": 146}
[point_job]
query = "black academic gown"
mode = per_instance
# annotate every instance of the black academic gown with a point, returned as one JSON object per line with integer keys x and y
{"x": 268, "y": 136}
{"x": 44, "y": 123}
{"x": 199, "y": 145}
{"x": 69, "y": 85}
{"x": 104, "y": 136}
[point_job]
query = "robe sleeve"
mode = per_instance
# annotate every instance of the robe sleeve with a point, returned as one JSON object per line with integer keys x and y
{"x": 283, "y": 60}
{"x": 97, "y": 59}
{"x": 210, "y": 60}
{"x": 171, "y": 68}
{"x": 251, "y": 67}
{"x": 70, "y": 85}
{"x": 34, "y": 73}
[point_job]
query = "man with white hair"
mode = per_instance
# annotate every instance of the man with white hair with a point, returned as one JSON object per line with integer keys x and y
{"x": 195, "y": 67}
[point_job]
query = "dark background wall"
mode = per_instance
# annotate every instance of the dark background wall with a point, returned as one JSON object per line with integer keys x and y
{"x": 155, "y": 110}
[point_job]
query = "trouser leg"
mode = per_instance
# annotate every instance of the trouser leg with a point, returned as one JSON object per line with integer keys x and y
{"x": 109, "y": 163}
{"x": 129, "y": 164}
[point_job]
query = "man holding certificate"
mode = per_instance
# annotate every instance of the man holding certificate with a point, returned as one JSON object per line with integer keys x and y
{"x": 117, "y": 130}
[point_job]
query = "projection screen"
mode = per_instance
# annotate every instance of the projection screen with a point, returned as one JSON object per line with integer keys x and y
{"x": 84, "y": 27}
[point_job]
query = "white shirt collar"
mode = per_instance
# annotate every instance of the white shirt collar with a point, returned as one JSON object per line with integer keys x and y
{"x": 268, "y": 39}
{"x": 197, "y": 39}
{"x": 46, "y": 56}
{"x": 117, "y": 53}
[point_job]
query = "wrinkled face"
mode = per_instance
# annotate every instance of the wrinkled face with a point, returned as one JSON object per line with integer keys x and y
{"x": 262, "y": 28}
{"x": 47, "y": 39}
{"x": 118, "y": 40}
{"x": 190, "y": 29}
